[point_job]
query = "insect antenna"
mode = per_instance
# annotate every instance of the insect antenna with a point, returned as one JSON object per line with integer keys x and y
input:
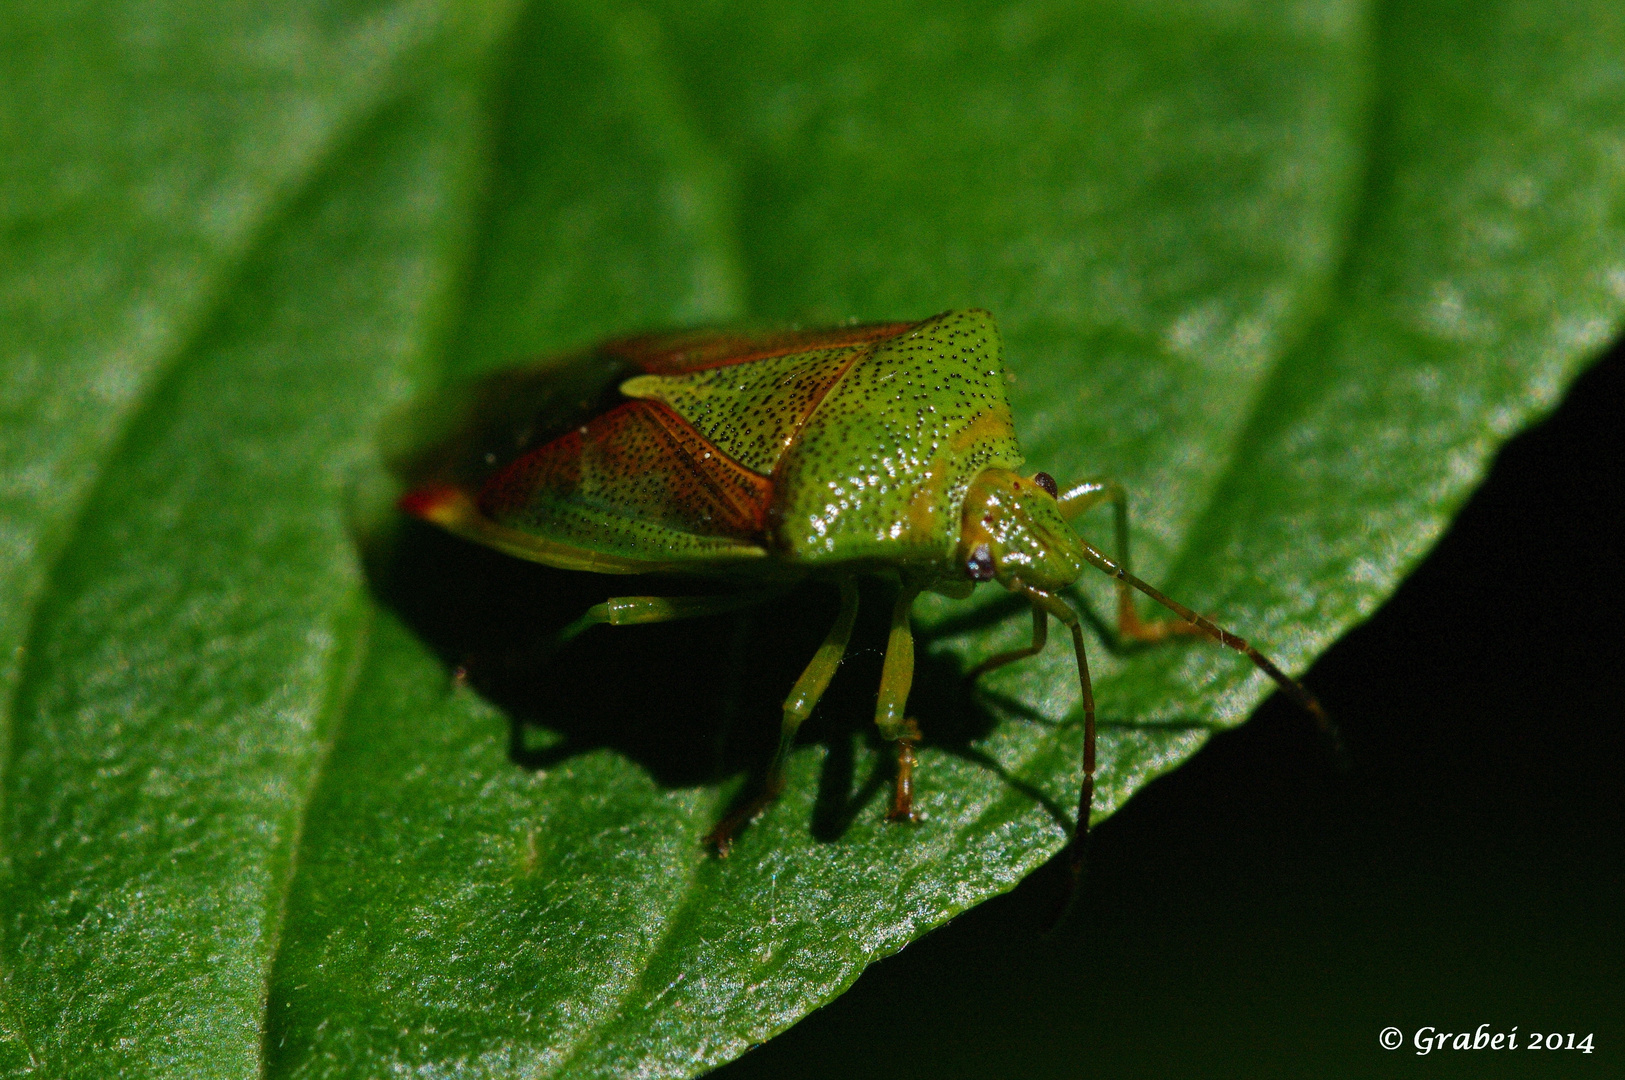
{"x": 1289, "y": 686}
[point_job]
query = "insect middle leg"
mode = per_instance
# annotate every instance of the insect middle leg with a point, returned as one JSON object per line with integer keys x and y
{"x": 797, "y": 707}
{"x": 896, "y": 676}
{"x": 1084, "y": 497}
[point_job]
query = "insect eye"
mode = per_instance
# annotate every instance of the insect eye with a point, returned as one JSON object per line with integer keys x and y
{"x": 1047, "y": 482}
{"x": 980, "y": 564}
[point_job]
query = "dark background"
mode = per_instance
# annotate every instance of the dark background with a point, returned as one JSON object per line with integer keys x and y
{"x": 1261, "y": 913}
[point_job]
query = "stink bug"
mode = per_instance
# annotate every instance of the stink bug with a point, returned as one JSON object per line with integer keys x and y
{"x": 753, "y": 461}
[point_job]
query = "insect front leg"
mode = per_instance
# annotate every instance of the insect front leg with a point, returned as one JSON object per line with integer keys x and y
{"x": 896, "y": 676}
{"x": 1040, "y": 637}
{"x": 1084, "y": 497}
{"x": 797, "y": 707}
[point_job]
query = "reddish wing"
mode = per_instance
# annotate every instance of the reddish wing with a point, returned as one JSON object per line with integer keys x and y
{"x": 624, "y": 487}
{"x": 691, "y": 350}
{"x": 639, "y": 461}
{"x": 468, "y": 432}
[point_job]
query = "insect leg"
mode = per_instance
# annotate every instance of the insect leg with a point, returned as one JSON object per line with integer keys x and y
{"x": 1040, "y": 637}
{"x": 896, "y": 676}
{"x": 1059, "y": 608}
{"x": 1129, "y": 624}
{"x": 634, "y": 610}
{"x": 1200, "y": 625}
{"x": 797, "y": 707}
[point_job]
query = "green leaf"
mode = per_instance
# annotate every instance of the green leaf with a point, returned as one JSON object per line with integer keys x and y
{"x": 1290, "y": 270}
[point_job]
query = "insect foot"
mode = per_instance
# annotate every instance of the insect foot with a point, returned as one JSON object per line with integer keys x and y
{"x": 902, "y": 802}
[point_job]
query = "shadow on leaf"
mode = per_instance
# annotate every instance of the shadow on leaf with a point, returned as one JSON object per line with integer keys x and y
{"x": 693, "y": 702}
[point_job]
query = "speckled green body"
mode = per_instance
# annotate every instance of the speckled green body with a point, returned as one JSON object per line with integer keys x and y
{"x": 796, "y": 451}
{"x": 877, "y": 468}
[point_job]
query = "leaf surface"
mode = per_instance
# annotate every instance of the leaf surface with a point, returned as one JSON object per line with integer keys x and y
{"x": 1290, "y": 270}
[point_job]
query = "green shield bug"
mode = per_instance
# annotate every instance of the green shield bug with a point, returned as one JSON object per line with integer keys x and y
{"x": 754, "y": 461}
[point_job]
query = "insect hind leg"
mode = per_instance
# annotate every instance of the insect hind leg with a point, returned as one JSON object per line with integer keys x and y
{"x": 640, "y": 610}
